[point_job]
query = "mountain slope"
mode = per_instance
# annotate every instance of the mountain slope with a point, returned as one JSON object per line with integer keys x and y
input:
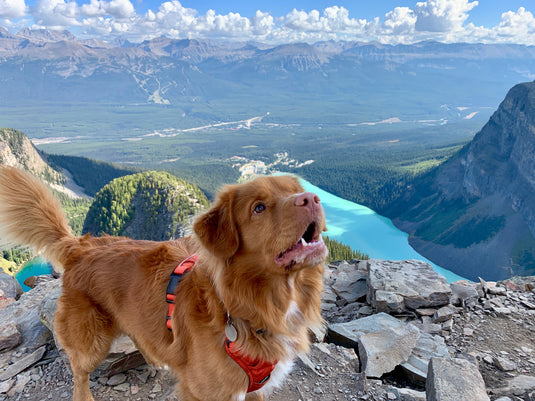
{"x": 18, "y": 151}
{"x": 475, "y": 214}
{"x": 152, "y": 205}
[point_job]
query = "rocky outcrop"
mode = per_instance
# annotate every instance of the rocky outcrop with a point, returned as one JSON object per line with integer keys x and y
{"x": 475, "y": 214}
{"x": 478, "y": 346}
{"x": 18, "y": 151}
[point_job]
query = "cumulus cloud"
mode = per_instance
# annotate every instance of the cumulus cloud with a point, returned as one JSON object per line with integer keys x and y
{"x": 517, "y": 24}
{"x": 12, "y": 8}
{"x": 443, "y": 20}
{"x": 442, "y": 15}
{"x": 55, "y": 13}
{"x": 333, "y": 19}
{"x": 115, "y": 8}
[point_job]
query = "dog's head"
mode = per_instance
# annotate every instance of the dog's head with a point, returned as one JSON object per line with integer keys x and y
{"x": 269, "y": 221}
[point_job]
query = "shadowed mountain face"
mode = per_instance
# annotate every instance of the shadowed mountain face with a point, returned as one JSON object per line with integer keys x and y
{"x": 475, "y": 214}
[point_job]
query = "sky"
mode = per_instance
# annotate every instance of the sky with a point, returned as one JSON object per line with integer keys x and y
{"x": 277, "y": 21}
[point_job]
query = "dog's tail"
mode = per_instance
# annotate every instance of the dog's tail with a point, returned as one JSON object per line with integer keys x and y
{"x": 31, "y": 216}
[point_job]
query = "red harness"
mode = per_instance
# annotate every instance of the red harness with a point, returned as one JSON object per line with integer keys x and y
{"x": 257, "y": 370}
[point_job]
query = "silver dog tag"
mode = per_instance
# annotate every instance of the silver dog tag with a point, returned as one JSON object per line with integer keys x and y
{"x": 231, "y": 333}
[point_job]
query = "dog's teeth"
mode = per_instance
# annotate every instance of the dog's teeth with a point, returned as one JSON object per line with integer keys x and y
{"x": 303, "y": 242}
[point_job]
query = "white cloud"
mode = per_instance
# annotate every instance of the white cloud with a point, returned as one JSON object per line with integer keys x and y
{"x": 400, "y": 21}
{"x": 115, "y": 8}
{"x": 55, "y": 13}
{"x": 334, "y": 19}
{"x": 442, "y": 15}
{"x": 12, "y": 8}
{"x": 517, "y": 24}
{"x": 443, "y": 20}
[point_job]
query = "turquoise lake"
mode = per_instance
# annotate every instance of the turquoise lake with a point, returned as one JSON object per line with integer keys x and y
{"x": 35, "y": 267}
{"x": 363, "y": 229}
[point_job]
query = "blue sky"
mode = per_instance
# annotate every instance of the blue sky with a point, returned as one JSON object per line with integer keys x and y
{"x": 276, "y": 21}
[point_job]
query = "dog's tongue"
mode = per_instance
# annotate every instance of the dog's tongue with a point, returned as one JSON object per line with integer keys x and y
{"x": 312, "y": 252}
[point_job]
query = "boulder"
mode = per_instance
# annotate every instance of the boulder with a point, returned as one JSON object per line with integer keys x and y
{"x": 444, "y": 313}
{"x": 427, "y": 347}
{"x": 396, "y": 286}
{"x": 10, "y": 336}
{"x": 9, "y": 286}
{"x": 454, "y": 379}
{"x": 350, "y": 284}
{"x": 465, "y": 292}
{"x": 383, "y": 341}
{"x": 24, "y": 313}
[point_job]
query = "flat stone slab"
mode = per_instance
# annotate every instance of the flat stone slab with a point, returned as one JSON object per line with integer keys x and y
{"x": 383, "y": 341}
{"x": 22, "y": 364}
{"x": 454, "y": 379}
{"x": 398, "y": 286}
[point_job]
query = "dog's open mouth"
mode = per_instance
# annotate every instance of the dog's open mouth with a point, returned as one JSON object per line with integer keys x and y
{"x": 310, "y": 248}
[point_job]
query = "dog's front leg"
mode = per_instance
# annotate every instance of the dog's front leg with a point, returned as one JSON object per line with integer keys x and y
{"x": 81, "y": 388}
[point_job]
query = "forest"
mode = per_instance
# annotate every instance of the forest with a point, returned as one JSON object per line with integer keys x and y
{"x": 150, "y": 205}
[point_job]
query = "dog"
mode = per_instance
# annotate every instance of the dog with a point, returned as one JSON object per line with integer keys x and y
{"x": 235, "y": 321}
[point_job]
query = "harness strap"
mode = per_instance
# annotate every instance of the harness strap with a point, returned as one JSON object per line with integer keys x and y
{"x": 184, "y": 266}
{"x": 257, "y": 370}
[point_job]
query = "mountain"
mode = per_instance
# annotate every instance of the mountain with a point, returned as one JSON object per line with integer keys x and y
{"x": 152, "y": 205}
{"x": 475, "y": 214}
{"x": 18, "y": 151}
{"x": 220, "y": 80}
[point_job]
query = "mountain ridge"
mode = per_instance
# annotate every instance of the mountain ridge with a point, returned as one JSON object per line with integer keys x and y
{"x": 475, "y": 214}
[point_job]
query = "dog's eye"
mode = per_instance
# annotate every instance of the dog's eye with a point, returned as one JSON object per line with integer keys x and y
{"x": 259, "y": 208}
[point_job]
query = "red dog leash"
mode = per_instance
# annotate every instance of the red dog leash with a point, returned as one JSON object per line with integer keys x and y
{"x": 257, "y": 370}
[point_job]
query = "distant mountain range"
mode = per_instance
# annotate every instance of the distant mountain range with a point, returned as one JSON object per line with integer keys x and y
{"x": 475, "y": 214}
{"x": 326, "y": 81}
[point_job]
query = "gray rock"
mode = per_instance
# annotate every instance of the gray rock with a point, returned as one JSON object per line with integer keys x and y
{"x": 413, "y": 281}
{"x": 427, "y": 347}
{"x": 22, "y": 364}
{"x": 6, "y": 385}
{"x": 520, "y": 384}
{"x": 444, "y": 313}
{"x": 504, "y": 364}
{"x": 454, "y": 380}
{"x": 350, "y": 284}
{"x": 383, "y": 341}
{"x": 9, "y": 286}
{"x": 464, "y": 291}
{"x": 116, "y": 380}
{"x": 24, "y": 313}
{"x": 407, "y": 394}
{"x": 10, "y": 336}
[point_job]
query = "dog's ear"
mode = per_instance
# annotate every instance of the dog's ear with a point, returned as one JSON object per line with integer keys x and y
{"x": 216, "y": 229}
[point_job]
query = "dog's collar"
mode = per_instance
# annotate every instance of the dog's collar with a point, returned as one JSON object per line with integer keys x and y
{"x": 257, "y": 370}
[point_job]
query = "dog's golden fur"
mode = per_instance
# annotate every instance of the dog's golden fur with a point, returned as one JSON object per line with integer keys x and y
{"x": 252, "y": 265}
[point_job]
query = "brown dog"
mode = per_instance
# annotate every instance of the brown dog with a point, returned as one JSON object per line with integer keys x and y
{"x": 245, "y": 306}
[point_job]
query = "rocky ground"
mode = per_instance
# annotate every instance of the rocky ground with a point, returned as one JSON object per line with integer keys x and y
{"x": 489, "y": 326}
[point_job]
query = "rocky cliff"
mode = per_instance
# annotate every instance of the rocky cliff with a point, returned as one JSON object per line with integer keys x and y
{"x": 475, "y": 214}
{"x": 18, "y": 151}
